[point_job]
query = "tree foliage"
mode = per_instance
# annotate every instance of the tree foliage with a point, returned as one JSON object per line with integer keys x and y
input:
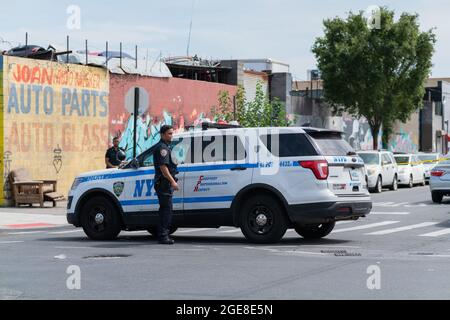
{"x": 261, "y": 112}
{"x": 378, "y": 74}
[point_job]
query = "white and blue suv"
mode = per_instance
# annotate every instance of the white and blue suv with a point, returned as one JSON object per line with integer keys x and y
{"x": 264, "y": 181}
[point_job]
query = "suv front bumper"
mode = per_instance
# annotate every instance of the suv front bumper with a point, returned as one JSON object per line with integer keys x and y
{"x": 324, "y": 212}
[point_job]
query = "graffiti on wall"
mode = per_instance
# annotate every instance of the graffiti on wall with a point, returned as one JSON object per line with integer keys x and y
{"x": 403, "y": 142}
{"x": 51, "y": 109}
{"x": 176, "y": 102}
{"x": 357, "y": 133}
{"x": 4, "y": 167}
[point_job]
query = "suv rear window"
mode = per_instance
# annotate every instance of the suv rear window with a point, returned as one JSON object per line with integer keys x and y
{"x": 332, "y": 144}
{"x": 290, "y": 145}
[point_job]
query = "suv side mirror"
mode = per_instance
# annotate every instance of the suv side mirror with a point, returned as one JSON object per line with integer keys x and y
{"x": 134, "y": 164}
{"x": 384, "y": 163}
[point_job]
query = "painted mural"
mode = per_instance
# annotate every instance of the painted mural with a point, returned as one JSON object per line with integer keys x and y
{"x": 177, "y": 102}
{"x": 4, "y": 169}
{"x": 55, "y": 119}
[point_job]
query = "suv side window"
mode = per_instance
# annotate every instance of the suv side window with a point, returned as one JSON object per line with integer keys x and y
{"x": 290, "y": 145}
{"x": 217, "y": 149}
{"x": 386, "y": 158}
{"x": 180, "y": 150}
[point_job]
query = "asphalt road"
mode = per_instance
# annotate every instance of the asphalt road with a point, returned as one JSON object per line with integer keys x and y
{"x": 400, "y": 251}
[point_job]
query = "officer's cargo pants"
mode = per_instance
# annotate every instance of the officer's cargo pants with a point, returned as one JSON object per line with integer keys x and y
{"x": 165, "y": 214}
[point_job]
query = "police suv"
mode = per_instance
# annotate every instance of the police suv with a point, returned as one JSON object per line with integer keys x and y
{"x": 263, "y": 181}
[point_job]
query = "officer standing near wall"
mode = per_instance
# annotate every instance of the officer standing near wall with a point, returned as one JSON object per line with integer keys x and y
{"x": 165, "y": 183}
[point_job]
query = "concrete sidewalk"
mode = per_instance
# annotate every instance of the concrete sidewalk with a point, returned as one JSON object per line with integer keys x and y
{"x": 33, "y": 217}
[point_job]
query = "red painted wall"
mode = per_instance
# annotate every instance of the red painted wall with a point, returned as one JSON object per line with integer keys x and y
{"x": 183, "y": 101}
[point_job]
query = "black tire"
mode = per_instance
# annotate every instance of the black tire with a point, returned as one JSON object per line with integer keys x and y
{"x": 316, "y": 231}
{"x": 394, "y": 186}
{"x": 437, "y": 197}
{"x": 379, "y": 186}
{"x": 111, "y": 226}
{"x": 263, "y": 220}
{"x": 424, "y": 182}
{"x": 411, "y": 182}
{"x": 154, "y": 231}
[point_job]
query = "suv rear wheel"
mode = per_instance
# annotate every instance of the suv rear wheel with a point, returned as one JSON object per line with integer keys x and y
{"x": 437, "y": 197}
{"x": 263, "y": 220}
{"x": 100, "y": 219}
{"x": 315, "y": 231}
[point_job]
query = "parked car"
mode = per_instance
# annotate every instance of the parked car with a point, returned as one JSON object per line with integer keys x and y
{"x": 410, "y": 170}
{"x": 440, "y": 180}
{"x": 381, "y": 170}
{"x": 429, "y": 160}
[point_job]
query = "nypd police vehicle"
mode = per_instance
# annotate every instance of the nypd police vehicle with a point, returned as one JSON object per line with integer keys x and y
{"x": 263, "y": 181}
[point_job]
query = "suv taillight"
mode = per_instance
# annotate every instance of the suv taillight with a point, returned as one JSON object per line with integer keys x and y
{"x": 318, "y": 167}
{"x": 437, "y": 173}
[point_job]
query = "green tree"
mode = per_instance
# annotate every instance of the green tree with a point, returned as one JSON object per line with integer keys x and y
{"x": 261, "y": 112}
{"x": 374, "y": 73}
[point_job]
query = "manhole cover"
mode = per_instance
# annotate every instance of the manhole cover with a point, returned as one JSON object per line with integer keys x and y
{"x": 341, "y": 253}
{"x": 107, "y": 256}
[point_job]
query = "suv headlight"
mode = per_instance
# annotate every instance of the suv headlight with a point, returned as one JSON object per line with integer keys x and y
{"x": 75, "y": 183}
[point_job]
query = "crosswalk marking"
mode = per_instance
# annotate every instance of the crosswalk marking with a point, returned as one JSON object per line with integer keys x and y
{"x": 405, "y": 228}
{"x": 24, "y": 233}
{"x": 436, "y": 233}
{"x": 390, "y": 213}
{"x": 66, "y": 232}
{"x": 366, "y": 226}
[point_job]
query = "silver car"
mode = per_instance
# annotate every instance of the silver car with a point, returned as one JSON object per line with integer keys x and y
{"x": 440, "y": 181}
{"x": 430, "y": 161}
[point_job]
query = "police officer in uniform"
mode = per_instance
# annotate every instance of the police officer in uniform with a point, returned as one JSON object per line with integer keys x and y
{"x": 165, "y": 183}
{"x": 114, "y": 156}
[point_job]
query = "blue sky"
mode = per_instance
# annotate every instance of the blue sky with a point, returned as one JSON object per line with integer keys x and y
{"x": 280, "y": 29}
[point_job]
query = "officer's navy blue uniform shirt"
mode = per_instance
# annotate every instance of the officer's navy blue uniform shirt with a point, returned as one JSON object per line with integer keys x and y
{"x": 163, "y": 156}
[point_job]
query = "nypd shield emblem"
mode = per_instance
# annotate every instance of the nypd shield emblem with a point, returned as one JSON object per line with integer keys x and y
{"x": 118, "y": 188}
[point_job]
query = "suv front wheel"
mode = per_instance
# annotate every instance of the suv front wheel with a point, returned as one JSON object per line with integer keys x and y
{"x": 262, "y": 220}
{"x": 315, "y": 231}
{"x": 100, "y": 220}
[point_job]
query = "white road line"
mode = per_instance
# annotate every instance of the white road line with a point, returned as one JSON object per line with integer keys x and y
{"x": 24, "y": 233}
{"x": 383, "y": 204}
{"x": 230, "y": 231}
{"x": 10, "y": 242}
{"x": 66, "y": 232}
{"x": 390, "y": 213}
{"x": 344, "y": 222}
{"x": 436, "y": 233}
{"x": 406, "y": 228}
{"x": 367, "y": 226}
{"x": 194, "y": 230}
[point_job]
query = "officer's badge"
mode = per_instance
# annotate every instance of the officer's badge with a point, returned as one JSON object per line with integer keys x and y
{"x": 118, "y": 188}
{"x": 163, "y": 152}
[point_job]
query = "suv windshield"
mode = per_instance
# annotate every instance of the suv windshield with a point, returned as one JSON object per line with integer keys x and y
{"x": 331, "y": 143}
{"x": 403, "y": 161}
{"x": 370, "y": 158}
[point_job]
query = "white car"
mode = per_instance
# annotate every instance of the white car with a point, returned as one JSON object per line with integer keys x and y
{"x": 381, "y": 170}
{"x": 410, "y": 170}
{"x": 263, "y": 181}
{"x": 429, "y": 160}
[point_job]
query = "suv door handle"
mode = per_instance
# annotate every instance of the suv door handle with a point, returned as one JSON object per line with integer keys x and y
{"x": 238, "y": 169}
